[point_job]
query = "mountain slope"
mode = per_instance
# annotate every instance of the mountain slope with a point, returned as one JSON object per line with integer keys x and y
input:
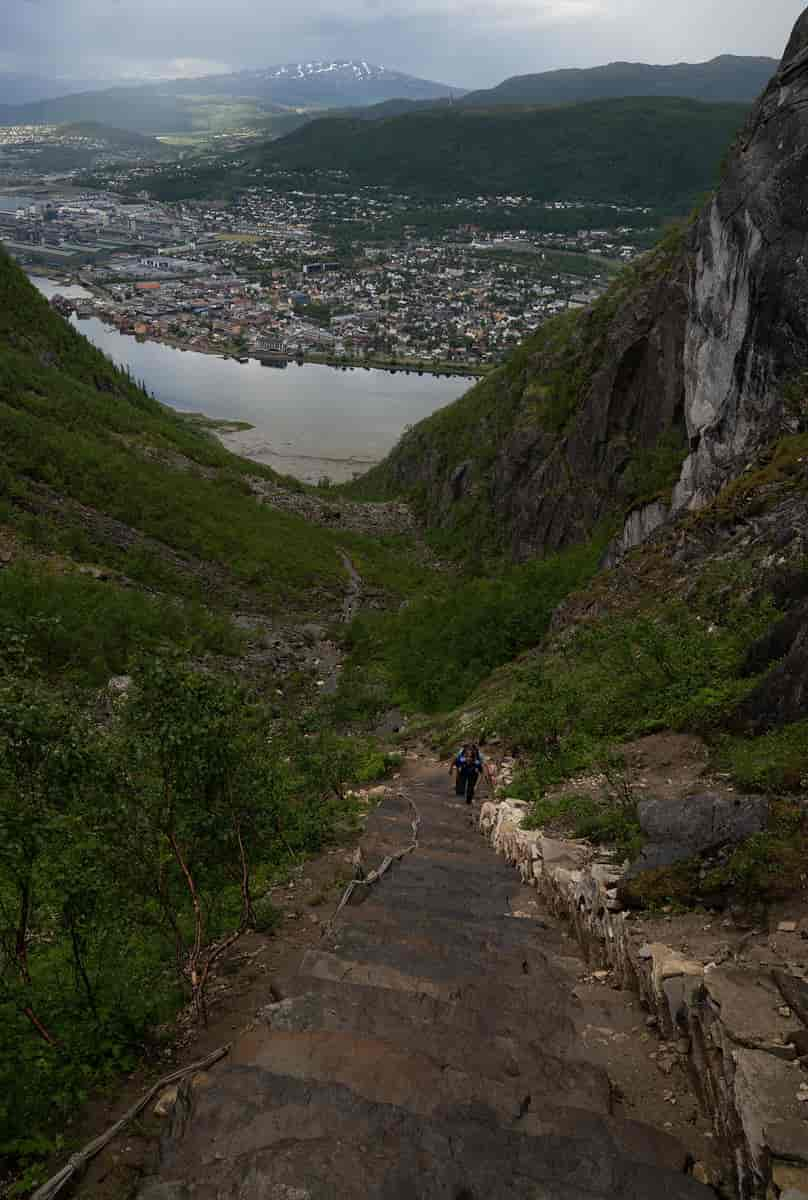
{"x": 726, "y": 78}
{"x": 641, "y": 151}
{"x": 126, "y": 138}
{"x": 146, "y": 110}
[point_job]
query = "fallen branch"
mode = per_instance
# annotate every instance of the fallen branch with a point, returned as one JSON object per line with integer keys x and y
{"x": 78, "y": 1161}
{"x": 374, "y": 876}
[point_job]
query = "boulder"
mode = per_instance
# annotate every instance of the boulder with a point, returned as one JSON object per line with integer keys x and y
{"x": 681, "y": 829}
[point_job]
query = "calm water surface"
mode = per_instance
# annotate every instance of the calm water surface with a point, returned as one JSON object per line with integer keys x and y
{"x": 308, "y": 420}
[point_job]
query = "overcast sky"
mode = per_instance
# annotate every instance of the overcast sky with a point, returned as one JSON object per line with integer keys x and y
{"x": 472, "y": 43}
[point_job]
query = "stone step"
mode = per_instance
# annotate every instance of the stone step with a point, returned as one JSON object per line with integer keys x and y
{"x": 381, "y": 1071}
{"x": 475, "y": 992}
{"x": 259, "y": 1135}
{"x": 480, "y": 896}
{"x": 538, "y": 935}
{"x": 419, "y": 949}
{"x": 441, "y": 960}
{"x": 523, "y": 1064}
{"x": 551, "y": 1029}
{"x": 410, "y": 904}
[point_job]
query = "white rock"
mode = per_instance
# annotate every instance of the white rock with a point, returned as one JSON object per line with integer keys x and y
{"x": 165, "y": 1101}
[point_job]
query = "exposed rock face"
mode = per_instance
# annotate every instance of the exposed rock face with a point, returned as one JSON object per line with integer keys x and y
{"x": 639, "y": 525}
{"x": 747, "y": 332}
{"x": 551, "y": 492}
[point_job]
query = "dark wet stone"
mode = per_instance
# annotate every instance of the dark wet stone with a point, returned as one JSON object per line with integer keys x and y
{"x": 678, "y": 830}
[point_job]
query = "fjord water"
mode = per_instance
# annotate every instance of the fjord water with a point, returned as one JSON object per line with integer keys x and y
{"x": 309, "y": 421}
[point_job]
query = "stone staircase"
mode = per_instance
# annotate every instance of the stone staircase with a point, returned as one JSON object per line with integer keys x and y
{"x": 428, "y": 1051}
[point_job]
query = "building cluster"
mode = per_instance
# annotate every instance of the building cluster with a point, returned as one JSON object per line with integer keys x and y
{"x": 30, "y": 152}
{"x": 340, "y": 276}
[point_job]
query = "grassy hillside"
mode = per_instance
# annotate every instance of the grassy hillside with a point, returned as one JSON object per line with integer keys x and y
{"x": 662, "y": 152}
{"x": 73, "y": 425}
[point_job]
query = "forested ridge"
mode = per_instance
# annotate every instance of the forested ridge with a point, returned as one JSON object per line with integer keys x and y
{"x": 658, "y": 152}
{"x": 664, "y": 153}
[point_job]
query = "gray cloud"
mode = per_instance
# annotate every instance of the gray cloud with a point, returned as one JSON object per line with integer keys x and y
{"x": 467, "y": 42}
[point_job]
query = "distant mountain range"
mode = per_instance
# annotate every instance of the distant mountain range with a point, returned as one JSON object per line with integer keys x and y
{"x": 215, "y": 103}
{"x": 19, "y": 88}
{"x": 219, "y": 102}
{"x": 726, "y": 78}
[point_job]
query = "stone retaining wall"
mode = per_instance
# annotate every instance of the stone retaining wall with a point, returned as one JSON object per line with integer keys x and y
{"x": 743, "y": 1047}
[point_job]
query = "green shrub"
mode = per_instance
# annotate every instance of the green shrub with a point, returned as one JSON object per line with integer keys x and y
{"x": 437, "y": 649}
{"x": 624, "y": 677}
{"x": 83, "y": 630}
{"x": 774, "y": 762}
{"x": 770, "y": 865}
{"x": 611, "y": 822}
{"x": 99, "y": 832}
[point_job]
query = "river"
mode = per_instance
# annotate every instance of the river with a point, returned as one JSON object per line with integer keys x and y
{"x": 308, "y": 421}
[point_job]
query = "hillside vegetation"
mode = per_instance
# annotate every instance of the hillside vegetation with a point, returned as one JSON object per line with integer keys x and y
{"x": 637, "y": 151}
{"x": 663, "y": 153}
{"x": 142, "y": 820}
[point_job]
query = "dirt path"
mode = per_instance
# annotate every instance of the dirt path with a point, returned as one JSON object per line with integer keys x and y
{"x": 442, "y": 1041}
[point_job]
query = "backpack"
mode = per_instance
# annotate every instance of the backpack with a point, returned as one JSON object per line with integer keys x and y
{"x": 464, "y": 764}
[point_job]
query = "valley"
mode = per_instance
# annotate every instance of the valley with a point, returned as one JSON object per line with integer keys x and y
{"x": 231, "y": 688}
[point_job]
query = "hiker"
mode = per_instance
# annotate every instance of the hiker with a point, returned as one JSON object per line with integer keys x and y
{"x": 469, "y": 765}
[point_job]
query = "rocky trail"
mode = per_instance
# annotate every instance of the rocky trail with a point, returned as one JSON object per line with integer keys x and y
{"x": 443, "y": 1039}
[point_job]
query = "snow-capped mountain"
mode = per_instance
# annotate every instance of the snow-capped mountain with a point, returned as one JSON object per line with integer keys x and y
{"x": 173, "y": 105}
{"x": 326, "y": 84}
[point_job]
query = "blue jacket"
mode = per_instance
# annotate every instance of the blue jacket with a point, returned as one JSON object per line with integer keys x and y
{"x": 464, "y": 764}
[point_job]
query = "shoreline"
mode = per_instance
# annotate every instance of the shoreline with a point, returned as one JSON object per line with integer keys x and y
{"x": 394, "y": 366}
{"x": 254, "y": 445}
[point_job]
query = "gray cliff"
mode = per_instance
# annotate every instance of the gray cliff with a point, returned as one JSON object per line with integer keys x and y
{"x": 747, "y": 332}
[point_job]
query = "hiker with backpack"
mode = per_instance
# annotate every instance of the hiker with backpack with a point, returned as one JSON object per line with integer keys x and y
{"x": 468, "y": 765}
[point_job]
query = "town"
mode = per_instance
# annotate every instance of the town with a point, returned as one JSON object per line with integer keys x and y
{"x": 339, "y": 277}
